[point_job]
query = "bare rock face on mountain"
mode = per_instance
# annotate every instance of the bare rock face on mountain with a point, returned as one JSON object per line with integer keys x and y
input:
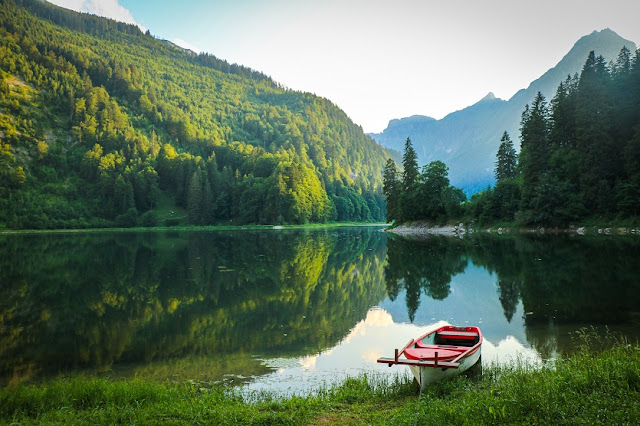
{"x": 467, "y": 140}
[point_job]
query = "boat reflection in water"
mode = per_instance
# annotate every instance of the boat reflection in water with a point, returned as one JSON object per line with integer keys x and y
{"x": 290, "y": 310}
{"x": 527, "y": 294}
{"x": 370, "y": 339}
{"x": 375, "y": 336}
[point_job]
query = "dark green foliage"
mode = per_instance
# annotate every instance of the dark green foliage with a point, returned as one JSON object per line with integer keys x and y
{"x": 580, "y": 157}
{"x": 128, "y": 219}
{"x": 506, "y": 160}
{"x": 149, "y": 219}
{"x": 391, "y": 190}
{"x": 499, "y": 203}
{"x": 410, "y": 197}
{"x": 594, "y": 136}
{"x": 434, "y": 183}
{"x": 409, "y": 167}
{"x": 97, "y": 114}
{"x": 535, "y": 153}
{"x": 420, "y": 196}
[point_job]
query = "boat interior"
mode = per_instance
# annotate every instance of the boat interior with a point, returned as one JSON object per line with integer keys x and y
{"x": 456, "y": 338}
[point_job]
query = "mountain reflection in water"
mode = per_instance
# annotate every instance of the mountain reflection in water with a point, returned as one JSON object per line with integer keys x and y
{"x": 288, "y": 310}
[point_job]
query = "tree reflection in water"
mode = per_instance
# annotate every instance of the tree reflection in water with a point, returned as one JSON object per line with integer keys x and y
{"x": 122, "y": 301}
{"x": 563, "y": 282}
{"x": 165, "y": 304}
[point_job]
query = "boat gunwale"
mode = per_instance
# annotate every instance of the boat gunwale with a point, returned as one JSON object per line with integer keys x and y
{"x": 455, "y": 363}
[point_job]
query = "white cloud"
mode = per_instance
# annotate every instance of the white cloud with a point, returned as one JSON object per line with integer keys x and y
{"x": 183, "y": 43}
{"x": 107, "y": 8}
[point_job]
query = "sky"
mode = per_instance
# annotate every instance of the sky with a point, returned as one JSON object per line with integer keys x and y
{"x": 379, "y": 60}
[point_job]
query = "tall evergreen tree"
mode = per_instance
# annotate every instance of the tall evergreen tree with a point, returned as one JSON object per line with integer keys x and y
{"x": 600, "y": 160}
{"x": 410, "y": 205}
{"x": 123, "y": 195}
{"x": 622, "y": 97}
{"x": 534, "y": 153}
{"x": 629, "y": 191}
{"x": 506, "y": 159}
{"x": 391, "y": 190}
{"x": 410, "y": 171}
{"x": 563, "y": 110}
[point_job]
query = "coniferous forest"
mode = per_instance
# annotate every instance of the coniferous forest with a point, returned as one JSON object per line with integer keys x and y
{"x": 102, "y": 125}
{"x": 579, "y": 159}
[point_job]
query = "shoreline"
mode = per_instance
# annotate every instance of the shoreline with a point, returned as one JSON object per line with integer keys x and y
{"x": 565, "y": 389}
{"x": 425, "y": 229}
{"x": 190, "y": 228}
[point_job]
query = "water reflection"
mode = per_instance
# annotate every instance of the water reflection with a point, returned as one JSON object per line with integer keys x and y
{"x": 544, "y": 286}
{"x": 119, "y": 303}
{"x": 288, "y": 310}
{"x": 371, "y": 338}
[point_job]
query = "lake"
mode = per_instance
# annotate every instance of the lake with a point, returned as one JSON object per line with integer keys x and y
{"x": 293, "y": 309}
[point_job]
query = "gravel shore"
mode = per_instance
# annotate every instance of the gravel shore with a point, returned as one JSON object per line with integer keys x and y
{"x": 424, "y": 228}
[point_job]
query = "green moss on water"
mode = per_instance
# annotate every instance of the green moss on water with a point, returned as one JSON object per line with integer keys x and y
{"x": 587, "y": 388}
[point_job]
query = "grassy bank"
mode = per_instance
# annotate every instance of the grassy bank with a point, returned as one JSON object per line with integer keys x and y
{"x": 587, "y": 388}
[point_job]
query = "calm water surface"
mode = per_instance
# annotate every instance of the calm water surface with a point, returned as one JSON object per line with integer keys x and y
{"x": 290, "y": 310}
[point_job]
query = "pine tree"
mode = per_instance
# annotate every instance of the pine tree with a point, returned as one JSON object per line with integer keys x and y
{"x": 563, "y": 112}
{"x": 534, "y": 154}
{"x": 622, "y": 65}
{"x": 391, "y": 189}
{"x": 629, "y": 191}
{"x": 622, "y": 99}
{"x": 599, "y": 159}
{"x": 506, "y": 159}
{"x": 409, "y": 205}
{"x": 410, "y": 167}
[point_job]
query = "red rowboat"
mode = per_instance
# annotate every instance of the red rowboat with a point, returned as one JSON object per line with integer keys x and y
{"x": 441, "y": 353}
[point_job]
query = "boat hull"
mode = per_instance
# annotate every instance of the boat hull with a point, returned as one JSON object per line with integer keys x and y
{"x": 427, "y": 375}
{"x": 439, "y": 354}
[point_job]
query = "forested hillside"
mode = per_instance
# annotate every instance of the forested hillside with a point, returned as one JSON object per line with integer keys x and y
{"x": 103, "y": 125}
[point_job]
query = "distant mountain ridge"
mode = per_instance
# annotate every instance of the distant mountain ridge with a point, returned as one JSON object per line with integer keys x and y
{"x": 467, "y": 140}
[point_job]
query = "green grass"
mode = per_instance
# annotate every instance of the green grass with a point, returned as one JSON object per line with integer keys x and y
{"x": 587, "y": 388}
{"x": 168, "y": 210}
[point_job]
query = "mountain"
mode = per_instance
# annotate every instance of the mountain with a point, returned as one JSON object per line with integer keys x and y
{"x": 103, "y": 125}
{"x": 467, "y": 140}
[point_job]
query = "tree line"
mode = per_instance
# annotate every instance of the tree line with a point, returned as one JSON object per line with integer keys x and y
{"x": 418, "y": 194}
{"x": 579, "y": 158}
